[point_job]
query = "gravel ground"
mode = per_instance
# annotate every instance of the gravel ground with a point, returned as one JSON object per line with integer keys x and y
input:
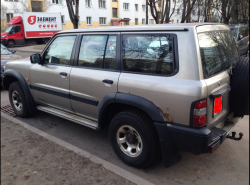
{"x": 27, "y": 158}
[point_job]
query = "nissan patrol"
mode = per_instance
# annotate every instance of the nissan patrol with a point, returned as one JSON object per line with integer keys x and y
{"x": 159, "y": 89}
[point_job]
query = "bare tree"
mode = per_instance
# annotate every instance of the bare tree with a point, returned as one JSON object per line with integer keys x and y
{"x": 166, "y": 10}
{"x": 3, "y": 11}
{"x": 73, "y": 15}
{"x": 187, "y": 7}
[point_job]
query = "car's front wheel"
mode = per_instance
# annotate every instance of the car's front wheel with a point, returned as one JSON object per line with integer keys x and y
{"x": 11, "y": 44}
{"x": 134, "y": 138}
{"x": 18, "y": 100}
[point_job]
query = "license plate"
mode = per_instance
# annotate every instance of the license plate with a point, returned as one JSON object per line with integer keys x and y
{"x": 217, "y": 108}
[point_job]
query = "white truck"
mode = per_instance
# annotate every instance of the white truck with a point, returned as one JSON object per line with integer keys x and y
{"x": 31, "y": 26}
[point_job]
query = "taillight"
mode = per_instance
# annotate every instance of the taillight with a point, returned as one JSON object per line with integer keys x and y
{"x": 200, "y": 113}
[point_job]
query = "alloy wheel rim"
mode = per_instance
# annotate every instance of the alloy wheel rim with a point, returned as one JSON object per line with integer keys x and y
{"x": 16, "y": 99}
{"x": 129, "y": 141}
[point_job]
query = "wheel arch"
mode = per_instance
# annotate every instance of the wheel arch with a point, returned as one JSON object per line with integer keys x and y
{"x": 11, "y": 76}
{"x": 114, "y": 103}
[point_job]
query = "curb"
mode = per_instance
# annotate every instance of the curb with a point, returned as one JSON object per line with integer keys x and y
{"x": 115, "y": 169}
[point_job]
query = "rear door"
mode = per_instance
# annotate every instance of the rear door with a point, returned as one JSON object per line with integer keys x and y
{"x": 95, "y": 73}
{"x": 218, "y": 53}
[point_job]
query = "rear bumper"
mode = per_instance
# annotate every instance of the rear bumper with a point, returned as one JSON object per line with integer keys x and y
{"x": 195, "y": 140}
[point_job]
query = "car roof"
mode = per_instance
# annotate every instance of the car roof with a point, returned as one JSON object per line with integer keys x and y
{"x": 153, "y": 27}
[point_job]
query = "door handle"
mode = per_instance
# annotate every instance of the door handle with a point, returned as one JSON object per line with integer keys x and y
{"x": 63, "y": 74}
{"x": 108, "y": 81}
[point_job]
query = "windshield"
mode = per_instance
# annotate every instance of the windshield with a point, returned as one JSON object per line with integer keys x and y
{"x": 218, "y": 52}
{"x": 7, "y": 29}
{"x": 234, "y": 32}
{"x": 4, "y": 50}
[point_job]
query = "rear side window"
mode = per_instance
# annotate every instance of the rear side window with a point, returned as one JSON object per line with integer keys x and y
{"x": 59, "y": 52}
{"x": 149, "y": 53}
{"x": 98, "y": 51}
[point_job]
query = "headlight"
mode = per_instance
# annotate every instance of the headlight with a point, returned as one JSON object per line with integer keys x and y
{"x": 3, "y": 36}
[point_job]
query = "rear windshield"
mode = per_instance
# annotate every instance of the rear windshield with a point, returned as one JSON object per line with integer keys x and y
{"x": 218, "y": 52}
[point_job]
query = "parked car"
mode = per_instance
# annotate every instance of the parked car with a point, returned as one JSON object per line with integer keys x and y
{"x": 6, "y": 56}
{"x": 118, "y": 77}
{"x": 241, "y": 35}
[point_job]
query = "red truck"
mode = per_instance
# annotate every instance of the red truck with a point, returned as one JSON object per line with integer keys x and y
{"x": 31, "y": 27}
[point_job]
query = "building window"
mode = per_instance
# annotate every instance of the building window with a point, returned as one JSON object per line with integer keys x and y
{"x": 193, "y": 12}
{"x": 126, "y": 23}
{"x": 89, "y": 21}
{"x": 159, "y": 15}
{"x": 12, "y": 0}
{"x": 136, "y": 21}
{"x": 151, "y": 21}
{"x": 178, "y": 11}
{"x": 114, "y": 0}
{"x": 79, "y": 20}
{"x": 172, "y": 20}
{"x": 159, "y": 3}
{"x": 63, "y": 19}
{"x": 114, "y": 11}
{"x": 143, "y": 8}
{"x": 136, "y": 7}
{"x": 88, "y": 3}
{"x": 143, "y": 21}
{"x": 102, "y": 21}
{"x": 125, "y": 6}
{"x": 74, "y": 2}
{"x": 102, "y": 3}
{"x": 57, "y": 1}
{"x": 9, "y": 16}
{"x": 177, "y": 20}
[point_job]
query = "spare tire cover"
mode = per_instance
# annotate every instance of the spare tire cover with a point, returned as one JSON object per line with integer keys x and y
{"x": 239, "y": 96}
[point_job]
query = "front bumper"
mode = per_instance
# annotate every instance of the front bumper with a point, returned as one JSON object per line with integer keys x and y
{"x": 175, "y": 138}
{"x": 4, "y": 41}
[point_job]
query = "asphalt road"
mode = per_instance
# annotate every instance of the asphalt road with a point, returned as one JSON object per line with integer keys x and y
{"x": 228, "y": 165}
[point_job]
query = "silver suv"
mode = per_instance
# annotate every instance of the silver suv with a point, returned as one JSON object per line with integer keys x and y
{"x": 160, "y": 89}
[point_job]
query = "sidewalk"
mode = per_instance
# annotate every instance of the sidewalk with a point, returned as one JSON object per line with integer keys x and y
{"x": 27, "y": 158}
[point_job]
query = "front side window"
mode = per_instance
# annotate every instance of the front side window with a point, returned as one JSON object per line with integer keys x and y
{"x": 151, "y": 53}
{"x": 218, "y": 52}
{"x": 17, "y": 29}
{"x": 59, "y": 52}
{"x": 92, "y": 52}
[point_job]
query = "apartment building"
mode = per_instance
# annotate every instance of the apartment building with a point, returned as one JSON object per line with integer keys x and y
{"x": 92, "y": 13}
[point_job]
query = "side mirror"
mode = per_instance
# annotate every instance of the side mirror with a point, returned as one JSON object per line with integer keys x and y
{"x": 13, "y": 51}
{"x": 35, "y": 59}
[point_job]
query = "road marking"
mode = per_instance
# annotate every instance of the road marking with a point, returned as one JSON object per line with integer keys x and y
{"x": 116, "y": 169}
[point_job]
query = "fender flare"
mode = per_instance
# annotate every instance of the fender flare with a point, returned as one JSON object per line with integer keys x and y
{"x": 30, "y": 101}
{"x": 133, "y": 100}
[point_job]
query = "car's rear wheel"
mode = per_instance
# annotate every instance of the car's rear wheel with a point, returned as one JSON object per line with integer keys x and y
{"x": 134, "y": 138}
{"x": 239, "y": 96}
{"x": 18, "y": 100}
{"x": 11, "y": 44}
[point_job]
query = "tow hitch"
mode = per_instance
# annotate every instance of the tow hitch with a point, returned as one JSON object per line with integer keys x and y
{"x": 233, "y": 136}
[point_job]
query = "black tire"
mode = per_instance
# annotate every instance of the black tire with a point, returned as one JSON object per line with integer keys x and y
{"x": 11, "y": 44}
{"x": 24, "y": 111}
{"x": 239, "y": 96}
{"x": 39, "y": 42}
{"x": 144, "y": 126}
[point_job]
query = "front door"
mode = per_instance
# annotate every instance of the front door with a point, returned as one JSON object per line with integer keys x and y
{"x": 96, "y": 74}
{"x": 50, "y": 81}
